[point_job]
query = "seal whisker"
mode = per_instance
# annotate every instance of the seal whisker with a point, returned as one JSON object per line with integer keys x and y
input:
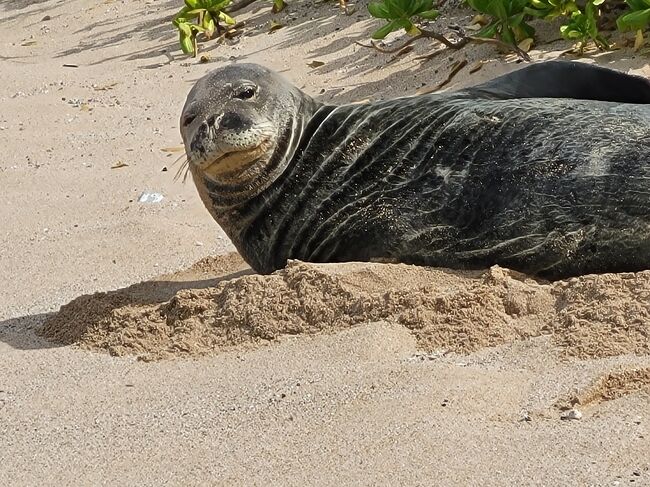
{"x": 185, "y": 166}
{"x": 187, "y": 170}
{"x": 178, "y": 159}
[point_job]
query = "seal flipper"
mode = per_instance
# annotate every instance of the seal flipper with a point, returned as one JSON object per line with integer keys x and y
{"x": 565, "y": 79}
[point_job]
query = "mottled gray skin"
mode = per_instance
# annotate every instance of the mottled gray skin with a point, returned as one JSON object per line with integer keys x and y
{"x": 546, "y": 171}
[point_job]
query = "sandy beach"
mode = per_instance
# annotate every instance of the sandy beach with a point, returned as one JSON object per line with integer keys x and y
{"x": 138, "y": 348}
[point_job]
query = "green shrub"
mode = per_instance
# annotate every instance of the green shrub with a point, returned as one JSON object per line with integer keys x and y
{"x": 583, "y": 27}
{"x": 637, "y": 19}
{"x": 401, "y": 14}
{"x": 508, "y": 20}
{"x": 199, "y": 16}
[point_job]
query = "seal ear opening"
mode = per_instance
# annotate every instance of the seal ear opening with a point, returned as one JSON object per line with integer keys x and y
{"x": 566, "y": 79}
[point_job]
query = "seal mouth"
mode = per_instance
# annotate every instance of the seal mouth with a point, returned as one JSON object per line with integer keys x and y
{"x": 228, "y": 165}
{"x": 223, "y": 151}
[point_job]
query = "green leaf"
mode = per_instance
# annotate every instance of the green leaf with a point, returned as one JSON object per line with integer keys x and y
{"x": 570, "y": 8}
{"x": 638, "y": 4}
{"x": 183, "y": 16}
{"x": 385, "y": 30}
{"x": 536, "y": 12}
{"x": 518, "y": 6}
{"x": 489, "y": 31}
{"x": 187, "y": 44}
{"x": 634, "y": 20}
{"x": 592, "y": 12}
{"x": 404, "y": 23}
{"x": 515, "y": 20}
{"x": 480, "y": 5}
{"x": 499, "y": 9}
{"x": 378, "y": 10}
{"x": 191, "y": 4}
{"x": 508, "y": 36}
{"x": 420, "y": 6}
{"x": 185, "y": 29}
{"x": 224, "y": 17}
{"x": 208, "y": 24}
{"x": 412, "y": 30}
{"x": 397, "y": 9}
{"x": 429, "y": 14}
{"x": 570, "y": 34}
{"x": 524, "y": 31}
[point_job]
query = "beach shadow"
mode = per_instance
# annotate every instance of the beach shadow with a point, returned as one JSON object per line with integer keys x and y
{"x": 21, "y": 333}
{"x": 17, "y": 7}
{"x": 152, "y": 27}
{"x": 26, "y": 332}
{"x": 305, "y": 23}
{"x": 159, "y": 291}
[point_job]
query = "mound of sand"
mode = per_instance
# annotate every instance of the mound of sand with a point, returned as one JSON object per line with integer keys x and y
{"x": 592, "y": 316}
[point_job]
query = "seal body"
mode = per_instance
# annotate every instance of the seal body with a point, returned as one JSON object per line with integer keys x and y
{"x": 549, "y": 186}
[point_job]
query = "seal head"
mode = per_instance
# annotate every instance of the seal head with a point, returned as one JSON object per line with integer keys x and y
{"x": 240, "y": 126}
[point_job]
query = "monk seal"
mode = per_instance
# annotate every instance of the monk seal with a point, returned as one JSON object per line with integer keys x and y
{"x": 545, "y": 170}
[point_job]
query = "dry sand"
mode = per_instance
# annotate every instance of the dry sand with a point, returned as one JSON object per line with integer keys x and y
{"x": 200, "y": 372}
{"x": 462, "y": 312}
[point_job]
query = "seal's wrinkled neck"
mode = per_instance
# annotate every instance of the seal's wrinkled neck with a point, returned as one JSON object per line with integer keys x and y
{"x": 236, "y": 188}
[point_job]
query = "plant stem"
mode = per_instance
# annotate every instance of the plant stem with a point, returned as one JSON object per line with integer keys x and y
{"x": 459, "y": 44}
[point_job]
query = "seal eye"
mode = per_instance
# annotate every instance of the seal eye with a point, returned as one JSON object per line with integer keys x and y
{"x": 245, "y": 93}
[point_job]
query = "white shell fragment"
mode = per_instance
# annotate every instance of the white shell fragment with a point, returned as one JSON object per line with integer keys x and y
{"x": 147, "y": 197}
{"x": 571, "y": 414}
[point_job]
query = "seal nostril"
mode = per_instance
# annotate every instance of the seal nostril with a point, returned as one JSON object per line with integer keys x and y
{"x": 233, "y": 120}
{"x": 204, "y": 128}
